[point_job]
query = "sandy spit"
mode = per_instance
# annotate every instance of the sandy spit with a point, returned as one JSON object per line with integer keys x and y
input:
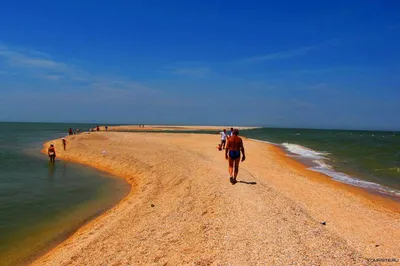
{"x": 172, "y": 128}
{"x": 183, "y": 211}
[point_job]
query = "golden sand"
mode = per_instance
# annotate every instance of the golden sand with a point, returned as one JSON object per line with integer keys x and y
{"x": 183, "y": 210}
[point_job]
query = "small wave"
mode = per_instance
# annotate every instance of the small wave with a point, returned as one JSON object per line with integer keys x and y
{"x": 344, "y": 178}
{"x": 394, "y": 169}
{"x": 320, "y": 159}
{"x": 264, "y": 141}
{"x": 304, "y": 152}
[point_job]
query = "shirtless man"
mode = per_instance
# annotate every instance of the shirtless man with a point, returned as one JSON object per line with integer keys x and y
{"x": 233, "y": 148}
{"x": 52, "y": 153}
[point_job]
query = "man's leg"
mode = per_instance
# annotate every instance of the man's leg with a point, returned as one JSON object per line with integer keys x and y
{"x": 237, "y": 161}
{"x": 223, "y": 144}
{"x": 230, "y": 169}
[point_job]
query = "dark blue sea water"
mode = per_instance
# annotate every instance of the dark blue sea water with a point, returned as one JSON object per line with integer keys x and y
{"x": 42, "y": 203}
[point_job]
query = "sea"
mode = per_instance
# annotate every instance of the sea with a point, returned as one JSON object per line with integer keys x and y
{"x": 41, "y": 203}
{"x": 366, "y": 159}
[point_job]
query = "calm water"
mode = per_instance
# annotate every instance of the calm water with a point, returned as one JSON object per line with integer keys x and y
{"x": 369, "y": 159}
{"x": 42, "y": 203}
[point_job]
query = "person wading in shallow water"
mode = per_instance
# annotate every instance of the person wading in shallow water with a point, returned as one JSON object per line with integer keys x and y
{"x": 233, "y": 149}
{"x": 52, "y": 153}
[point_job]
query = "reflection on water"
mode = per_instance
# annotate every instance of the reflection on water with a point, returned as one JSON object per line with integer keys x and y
{"x": 51, "y": 170}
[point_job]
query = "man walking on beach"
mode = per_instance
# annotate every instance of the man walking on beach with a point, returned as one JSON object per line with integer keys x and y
{"x": 223, "y": 139}
{"x": 233, "y": 148}
{"x": 231, "y": 133}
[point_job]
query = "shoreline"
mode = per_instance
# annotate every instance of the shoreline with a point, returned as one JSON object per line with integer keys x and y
{"x": 382, "y": 200}
{"x": 91, "y": 221}
{"x": 57, "y": 241}
{"x": 387, "y": 200}
{"x": 373, "y": 201}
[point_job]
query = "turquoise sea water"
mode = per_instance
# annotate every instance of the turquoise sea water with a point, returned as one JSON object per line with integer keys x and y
{"x": 368, "y": 159}
{"x": 42, "y": 203}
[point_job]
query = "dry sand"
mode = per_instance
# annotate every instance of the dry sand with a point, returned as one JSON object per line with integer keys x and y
{"x": 171, "y": 128}
{"x": 199, "y": 218}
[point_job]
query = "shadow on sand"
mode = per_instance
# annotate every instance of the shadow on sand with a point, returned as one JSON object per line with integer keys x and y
{"x": 246, "y": 182}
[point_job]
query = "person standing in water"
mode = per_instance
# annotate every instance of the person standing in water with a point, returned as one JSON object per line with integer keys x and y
{"x": 233, "y": 148}
{"x": 52, "y": 153}
{"x": 70, "y": 132}
{"x": 64, "y": 142}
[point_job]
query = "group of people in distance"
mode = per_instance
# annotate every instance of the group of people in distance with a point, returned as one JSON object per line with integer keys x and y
{"x": 234, "y": 150}
{"x": 71, "y": 132}
{"x": 52, "y": 150}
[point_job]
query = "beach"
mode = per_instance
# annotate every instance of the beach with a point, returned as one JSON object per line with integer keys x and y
{"x": 183, "y": 210}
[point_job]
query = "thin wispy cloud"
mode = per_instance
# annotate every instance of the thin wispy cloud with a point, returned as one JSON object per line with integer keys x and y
{"x": 18, "y": 58}
{"x": 195, "y": 72}
{"x": 288, "y": 54}
{"x": 39, "y": 65}
{"x": 280, "y": 55}
{"x": 83, "y": 85}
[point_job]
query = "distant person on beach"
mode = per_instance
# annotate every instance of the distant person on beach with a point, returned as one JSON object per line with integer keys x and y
{"x": 64, "y": 143}
{"x": 223, "y": 139}
{"x": 97, "y": 128}
{"x": 106, "y": 128}
{"x": 52, "y": 153}
{"x": 231, "y": 132}
{"x": 77, "y": 131}
{"x": 70, "y": 132}
{"x": 233, "y": 149}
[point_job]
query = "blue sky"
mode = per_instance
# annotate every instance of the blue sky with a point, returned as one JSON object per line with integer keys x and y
{"x": 319, "y": 64}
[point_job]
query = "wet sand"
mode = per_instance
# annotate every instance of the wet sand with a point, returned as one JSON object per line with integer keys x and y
{"x": 183, "y": 210}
